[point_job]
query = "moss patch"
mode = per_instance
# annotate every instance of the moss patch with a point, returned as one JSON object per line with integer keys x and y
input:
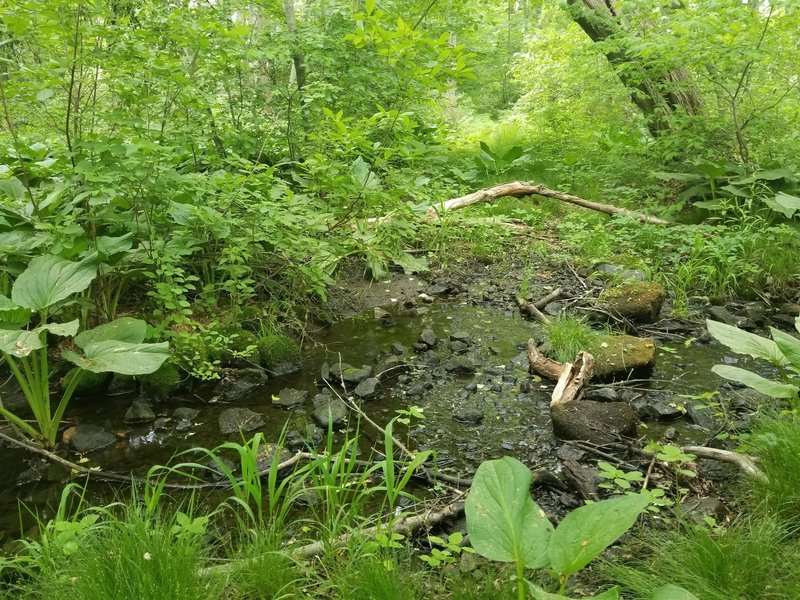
{"x": 637, "y": 301}
{"x": 622, "y": 353}
{"x": 161, "y": 384}
{"x": 277, "y": 348}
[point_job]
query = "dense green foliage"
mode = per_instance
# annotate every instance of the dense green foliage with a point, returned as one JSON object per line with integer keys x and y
{"x": 208, "y": 166}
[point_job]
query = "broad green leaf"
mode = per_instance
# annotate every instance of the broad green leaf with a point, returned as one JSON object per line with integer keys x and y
{"x": 540, "y": 594}
{"x": 513, "y": 154}
{"x": 114, "y": 245}
{"x": 744, "y": 342}
{"x": 503, "y": 521}
{"x": 411, "y": 264}
{"x": 19, "y": 343}
{"x": 788, "y": 345}
{"x": 788, "y": 201}
{"x": 585, "y": 532}
{"x": 13, "y": 188}
{"x": 124, "y": 329}
{"x": 44, "y": 95}
{"x": 120, "y": 357}
{"x": 6, "y": 303}
{"x": 49, "y": 279}
{"x": 672, "y": 592}
{"x": 773, "y": 389}
{"x": 62, "y": 329}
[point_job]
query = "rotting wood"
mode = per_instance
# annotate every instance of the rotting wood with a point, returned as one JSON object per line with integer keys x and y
{"x": 521, "y": 189}
{"x": 574, "y": 376}
{"x": 539, "y": 364}
{"x": 746, "y": 463}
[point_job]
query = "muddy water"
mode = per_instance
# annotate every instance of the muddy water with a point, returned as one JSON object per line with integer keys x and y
{"x": 512, "y": 405}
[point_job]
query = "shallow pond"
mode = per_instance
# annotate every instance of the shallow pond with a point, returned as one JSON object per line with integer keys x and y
{"x": 469, "y": 417}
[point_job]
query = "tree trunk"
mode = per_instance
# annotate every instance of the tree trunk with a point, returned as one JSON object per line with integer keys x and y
{"x": 659, "y": 94}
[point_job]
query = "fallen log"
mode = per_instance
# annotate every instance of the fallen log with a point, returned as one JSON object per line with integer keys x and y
{"x": 539, "y": 364}
{"x": 574, "y": 376}
{"x": 521, "y": 189}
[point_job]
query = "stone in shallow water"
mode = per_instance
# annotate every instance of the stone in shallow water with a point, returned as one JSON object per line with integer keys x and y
{"x": 460, "y": 365}
{"x": 290, "y": 398}
{"x": 469, "y": 416}
{"x": 232, "y": 420}
{"x": 139, "y": 411}
{"x": 88, "y": 438}
{"x": 238, "y": 383}
{"x": 329, "y": 410}
{"x": 367, "y": 388}
{"x": 428, "y": 337}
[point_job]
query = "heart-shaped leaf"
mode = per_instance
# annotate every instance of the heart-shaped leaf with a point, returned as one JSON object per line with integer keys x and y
{"x": 62, "y": 329}
{"x": 49, "y": 279}
{"x": 503, "y": 521}
{"x": 124, "y": 329}
{"x": 19, "y": 343}
{"x": 745, "y": 343}
{"x": 672, "y": 592}
{"x": 585, "y": 532}
{"x": 113, "y": 356}
{"x": 773, "y": 389}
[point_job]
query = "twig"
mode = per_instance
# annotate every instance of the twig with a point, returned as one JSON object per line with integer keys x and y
{"x": 529, "y": 309}
{"x": 556, "y": 293}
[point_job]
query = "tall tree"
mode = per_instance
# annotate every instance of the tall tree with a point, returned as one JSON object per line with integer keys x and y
{"x": 659, "y": 92}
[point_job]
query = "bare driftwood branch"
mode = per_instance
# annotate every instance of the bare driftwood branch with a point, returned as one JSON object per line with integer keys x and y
{"x": 746, "y": 463}
{"x": 521, "y": 189}
{"x": 529, "y": 309}
{"x": 556, "y": 293}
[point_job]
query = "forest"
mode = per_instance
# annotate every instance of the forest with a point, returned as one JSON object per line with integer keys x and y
{"x": 400, "y": 299}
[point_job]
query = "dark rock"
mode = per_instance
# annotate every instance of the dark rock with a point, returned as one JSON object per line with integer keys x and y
{"x": 380, "y": 313}
{"x": 439, "y": 290}
{"x": 633, "y": 275}
{"x": 290, "y": 398}
{"x": 428, "y": 337}
{"x": 729, "y": 360}
{"x": 507, "y": 445}
{"x": 460, "y": 365}
{"x": 702, "y": 415}
{"x": 398, "y": 348}
{"x": 184, "y": 413}
{"x": 311, "y": 438}
{"x": 416, "y": 389}
{"x": 285, "y": 368}
{"x": 469, "y": 416}
{"x": 420, "y": 347}
{"x": 658, "y": 410}
{"x": 184, "y": 417}
{"x": 608, "y": 268}
{"x": 430, "y": 358}
{"x": 88, "y": 438}
{"x": 604, "y": 394}
{"x": 461, "y": 336}
{"x": 139, "y": 411}
{"x": 458, "y": 346}
{"x": 521, "y": 360}
{"x": 637, "y": 301}
{"x": 235, "y": 384}
{"x": 232, "y": 420}
{"x": 722, "y": 314}
{"x": 698, "y": 509}
{"x": 29, "y": 476}
{"x": 787, "y": 321}
{"x": 367, "y": 388}
{"x": 595, "y": 422}
{"x": 329, "y": 411}
{"x": 162, "y": 424}
{"x": 570, "y": 452}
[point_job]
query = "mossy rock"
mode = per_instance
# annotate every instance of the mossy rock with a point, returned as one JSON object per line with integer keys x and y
{"x": 621, "y": 354}
{"x": 277, "y": 348}
{"x": 162, "y": 383}
{"x": 637, "y": 301}
{"x": 594, "y": 422}
{"x": 91, "y": 384}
